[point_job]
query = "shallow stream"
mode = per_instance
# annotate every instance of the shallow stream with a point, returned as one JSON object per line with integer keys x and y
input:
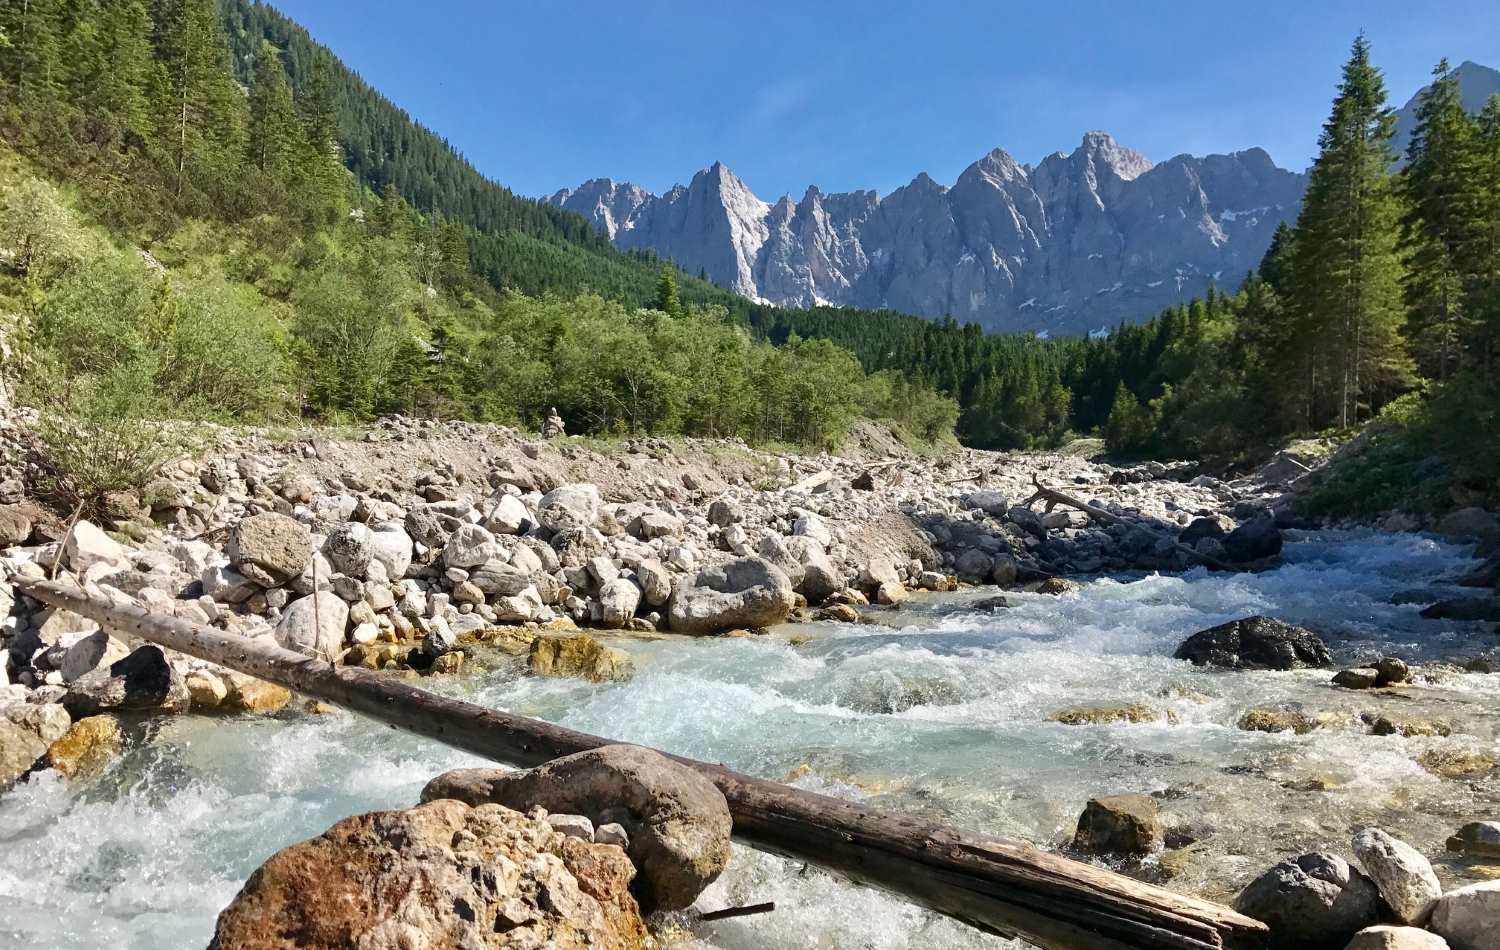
{"x": 941, "y": 710}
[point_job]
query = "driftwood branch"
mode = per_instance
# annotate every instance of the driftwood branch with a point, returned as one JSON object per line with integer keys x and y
{"x": 1054, "y": 497}
{"x": 999, "y": 886}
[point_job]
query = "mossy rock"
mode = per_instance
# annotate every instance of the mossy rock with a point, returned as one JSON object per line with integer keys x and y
{"x": 1104, "y": 715}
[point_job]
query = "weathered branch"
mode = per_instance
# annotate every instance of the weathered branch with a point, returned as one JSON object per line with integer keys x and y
{"x": 998, "y": 886}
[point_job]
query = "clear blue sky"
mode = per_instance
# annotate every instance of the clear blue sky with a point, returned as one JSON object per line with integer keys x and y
{"x": 545, "y": 94}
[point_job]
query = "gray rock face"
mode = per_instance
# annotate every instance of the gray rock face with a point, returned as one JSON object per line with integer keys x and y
{"x": 569, "y": 507}
{"x": 314, "y": 625}
{"x": 1255, "y": 643}
{"x": 1312, "y": 901}
{"x": 677, "y": 821}
{"x": 269, "y": 549}
{"x": 747, "y": 592}
{"x": 1404, "y": 878}
{"x": 1466, "y": 917}
{"x": 1077, "y": 242}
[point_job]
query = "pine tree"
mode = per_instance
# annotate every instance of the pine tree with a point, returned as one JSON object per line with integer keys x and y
{"x": 321, "y": 164}
{"x": 31, "y": 61}
{"x": 667, "y": 299}
{"x": 275, "y": 133}
{"x": 1438, "y": 184}
{"x": 200, "y": 110}
{"x": 1346, "y": 267}
{"x": 1479, "y": 257}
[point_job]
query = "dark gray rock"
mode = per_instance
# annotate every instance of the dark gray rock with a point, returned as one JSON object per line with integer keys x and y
{"x": 143, "y": 680}
{"x": 1313, "y": 901}
{"x": 1255, "y": 643}
{"x": 1467, "y": 608}
{"x": 1217, "y": 527}
{"x": 1254, "y": 540}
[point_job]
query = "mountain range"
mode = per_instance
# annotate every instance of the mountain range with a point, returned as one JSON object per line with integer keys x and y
{"x": 1075, "y": 243}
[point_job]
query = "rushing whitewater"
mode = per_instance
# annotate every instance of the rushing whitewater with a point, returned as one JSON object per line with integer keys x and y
{"x": 944, "y": 711}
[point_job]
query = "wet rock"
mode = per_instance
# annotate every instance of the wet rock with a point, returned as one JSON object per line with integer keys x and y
{"x": 1364, "y": 677}
{"x": 1254, "y": 540}
{"x": 746, "y": 592}
{"x": 1467, "y": 917}
{"x": 578, "y": 655}
{"x": 1119, "y": 824}
{"x": 19, "y": 750}
{"x": 1057, "y": 586}
{"x": 1401, "y": 726}
{"x": 1477, "y": 838}
{"x": 249, "y": 694}
{"x": 1102, "y": 715}
{"x": 1455, "y": 763}
{"x": 314, "y": 625}
{"x": 1465, "y": 608}
{"x": 438, "y": 875}
{"x": 678, "y": 822}
{"x": 1277, "y": 720}
{"x": 143, "y": 680}
{"x": 1386, "y": 937}
{"x": 1391, "y": 670}
{"x": 88, "y": 745}
{"x": 1470, "y": 524}
{"x": 1255, "y": 643}
{"x": 1487, "y": 574}
{"x": 1311, "y": 902}
{"x": 269, "y": 549}
{"x": 1403, "y": 877}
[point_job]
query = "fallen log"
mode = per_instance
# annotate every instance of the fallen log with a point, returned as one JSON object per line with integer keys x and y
{"x": 999, "y": 886}
{"x": 1054, "y": 497}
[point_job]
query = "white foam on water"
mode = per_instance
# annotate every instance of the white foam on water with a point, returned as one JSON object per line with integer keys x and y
{"x": 947, "y": 714}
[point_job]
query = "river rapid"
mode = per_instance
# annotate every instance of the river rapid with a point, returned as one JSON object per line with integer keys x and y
{"x": 941, "y": 710}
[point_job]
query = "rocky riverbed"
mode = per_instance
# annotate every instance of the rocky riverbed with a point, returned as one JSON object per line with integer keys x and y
{"x": 442, "y": 548}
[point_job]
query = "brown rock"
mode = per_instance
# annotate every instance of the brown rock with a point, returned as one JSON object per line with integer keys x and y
{"x": 15, "y": 525}
{"x": 88, "y": 745}
{"x": 578, "y": 655}
{"x": 269, "y": 548}
{"x": 248, "y": 694}
{"x": 677, "y": 821}
{"x": 1455, "y": 763}
{"x": 1277, "y": 720}
{"x": 1119, "y": 824}
{"x": 1102, "y": 715}
{"x": 439, "y": 875}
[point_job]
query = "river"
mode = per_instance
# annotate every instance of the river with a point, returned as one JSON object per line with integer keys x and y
{"x": 940, "y": 709}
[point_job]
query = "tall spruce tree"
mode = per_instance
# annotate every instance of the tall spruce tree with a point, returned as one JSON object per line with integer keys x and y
{"x": 31, "y": 62}
{"x": 1439, "y": 186}
{"x": 200, "y": 110}
{"x": 275, "y": 139}
{"x": 668, "y": 300}
{"x": 1479, "y": 257}
{"x": 1346, "y": 264}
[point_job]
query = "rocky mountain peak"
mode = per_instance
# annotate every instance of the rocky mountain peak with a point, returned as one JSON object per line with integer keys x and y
{"x": 1081, "y": 241}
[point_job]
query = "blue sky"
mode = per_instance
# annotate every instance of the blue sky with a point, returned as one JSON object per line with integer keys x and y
{"x": 545, "y": 94}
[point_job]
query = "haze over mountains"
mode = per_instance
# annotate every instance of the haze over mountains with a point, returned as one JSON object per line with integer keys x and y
{"x": 1076, "y": 243}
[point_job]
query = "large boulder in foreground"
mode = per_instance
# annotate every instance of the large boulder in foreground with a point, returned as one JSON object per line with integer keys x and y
{"x": 677, "y": 821}
{"x": 439, "y": 875}
{"x": 1467, "y": 917}
{"x": 746, "y": 592}
{"x": 1313, "y": 901}
{"x": 1119, "y": 824}
{"x": 1255, "y": 643}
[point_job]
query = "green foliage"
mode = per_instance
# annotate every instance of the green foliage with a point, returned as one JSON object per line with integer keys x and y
{"x": 102, "y": 439}
{"x": 667, "y": 300}
{"x": 1128, "y": 430}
